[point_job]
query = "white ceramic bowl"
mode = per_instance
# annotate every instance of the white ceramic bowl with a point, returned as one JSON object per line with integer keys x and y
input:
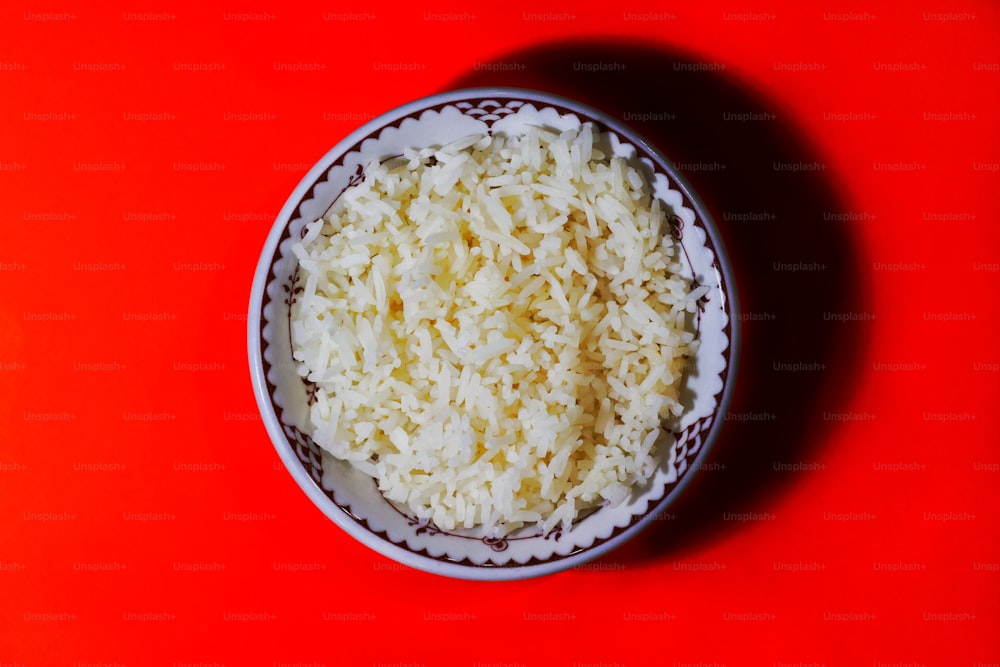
{"x": 350, "y": 498}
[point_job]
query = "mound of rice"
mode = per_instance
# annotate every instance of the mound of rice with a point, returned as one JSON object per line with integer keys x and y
{"x": 495, "y": 329}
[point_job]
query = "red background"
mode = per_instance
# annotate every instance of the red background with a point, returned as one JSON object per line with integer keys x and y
{"x": 847, "y": 516}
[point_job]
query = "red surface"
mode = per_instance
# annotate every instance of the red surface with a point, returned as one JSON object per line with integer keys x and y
{"x": 848, "y": 515}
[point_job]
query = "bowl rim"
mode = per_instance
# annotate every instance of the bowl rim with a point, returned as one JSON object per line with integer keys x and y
{"x": 339, "y": 515}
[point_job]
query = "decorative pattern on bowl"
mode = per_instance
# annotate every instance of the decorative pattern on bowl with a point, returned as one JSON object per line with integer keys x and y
{"x": 350, "y": 498}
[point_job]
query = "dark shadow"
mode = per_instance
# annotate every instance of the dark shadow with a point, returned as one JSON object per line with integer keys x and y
{"x": 797, "y": 270}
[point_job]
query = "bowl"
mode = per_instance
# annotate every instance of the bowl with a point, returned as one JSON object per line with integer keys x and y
{"x": 350, "y": 498}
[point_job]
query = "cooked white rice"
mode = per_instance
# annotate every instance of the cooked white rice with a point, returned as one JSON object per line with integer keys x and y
{"x": 495, "y": 329}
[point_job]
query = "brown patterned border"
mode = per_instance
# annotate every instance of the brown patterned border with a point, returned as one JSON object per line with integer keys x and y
{"x": 690, "y": 441}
